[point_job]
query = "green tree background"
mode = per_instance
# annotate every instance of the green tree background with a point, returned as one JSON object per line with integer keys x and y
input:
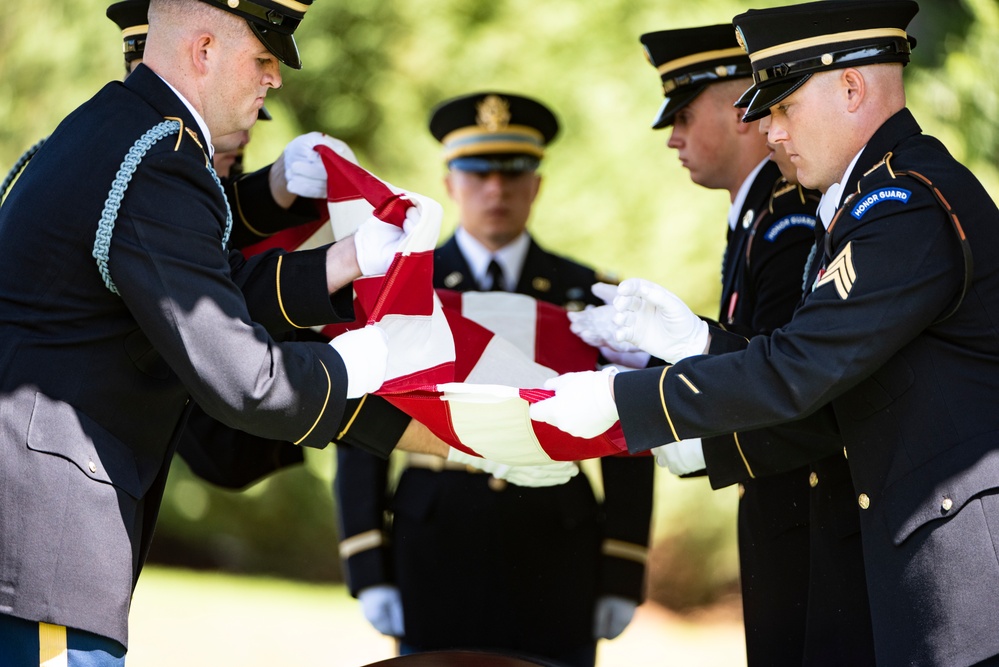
{"x": 613, "y": 196}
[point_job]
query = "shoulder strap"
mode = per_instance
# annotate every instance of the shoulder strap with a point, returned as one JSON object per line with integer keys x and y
{"x": 969, "y": 265}
{"x": 102, "y": 244}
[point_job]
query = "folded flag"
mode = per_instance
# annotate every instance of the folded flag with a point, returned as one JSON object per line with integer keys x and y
{"x": 467, "y": 365}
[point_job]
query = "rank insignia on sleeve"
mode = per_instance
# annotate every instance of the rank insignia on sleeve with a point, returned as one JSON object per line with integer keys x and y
{"x": 840, "y": 272}
{"x": 877, "y": 197}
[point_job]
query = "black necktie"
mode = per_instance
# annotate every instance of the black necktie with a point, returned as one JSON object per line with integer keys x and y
{"x": 496, "y": 273}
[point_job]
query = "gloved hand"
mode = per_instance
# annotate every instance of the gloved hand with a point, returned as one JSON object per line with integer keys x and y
{"x": 303, "y": 168}
{"x": 376, "y": 243}
{"x": 655, "y": 320}
{"x": 613, "y": 614}
{"x": 595, "y": 326}
{"x": 365, "y": 354}
{"x": 382, "y": 606}
{"x": 547, "y": 474}
{"x": 583, "y": 404}
{"x": 681, "y": 458}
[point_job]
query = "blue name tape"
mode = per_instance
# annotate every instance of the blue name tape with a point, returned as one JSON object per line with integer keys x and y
{"x": 788, "y": 221}
{"x": 875, "y": 198}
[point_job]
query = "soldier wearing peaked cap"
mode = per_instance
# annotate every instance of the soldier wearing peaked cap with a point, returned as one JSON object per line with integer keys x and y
{"x": 896, "y": 331}
{"x": 771, "y": 224}
{"x": 126, "y": 307}
{"x": 541, "y": 571}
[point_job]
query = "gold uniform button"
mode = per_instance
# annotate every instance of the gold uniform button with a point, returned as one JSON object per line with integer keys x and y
{"x": 813, "y": 480}
{"x": 497, "y": 484}
{"x": 742, "y": 490}
{"x": 864, "y": 501}
{"x": 844, "y": 453}
{"x": 946, "y": 504}
{"x": 93, "y": 467}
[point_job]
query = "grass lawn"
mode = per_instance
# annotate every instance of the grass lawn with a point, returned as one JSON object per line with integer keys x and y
{"x": 204, "y": 619}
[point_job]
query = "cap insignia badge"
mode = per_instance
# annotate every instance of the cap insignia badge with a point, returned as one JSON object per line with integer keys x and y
{"x": 739, "y": 38}
{"x": 492, "y": 113}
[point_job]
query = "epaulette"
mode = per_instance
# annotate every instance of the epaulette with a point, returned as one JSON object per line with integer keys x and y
{"x": 885, "y": 163}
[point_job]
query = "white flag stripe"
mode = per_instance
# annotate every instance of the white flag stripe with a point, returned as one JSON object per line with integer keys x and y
{"x": 347, "y": 216}
{"x": 499, "y": 429}
{"x": 508, "y": 315}
{"x": 503, "y": 363}
{"x": 417, "y": 343}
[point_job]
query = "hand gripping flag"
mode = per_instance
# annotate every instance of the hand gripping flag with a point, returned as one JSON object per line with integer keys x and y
{"x": 467, "y": 365}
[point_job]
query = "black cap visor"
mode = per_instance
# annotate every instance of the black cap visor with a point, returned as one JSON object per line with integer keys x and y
{"x": 673, "y": 103}
{"x": 282, "y": 46}
{"x": 764, "y": 98}
{"x": 745, "y": 98}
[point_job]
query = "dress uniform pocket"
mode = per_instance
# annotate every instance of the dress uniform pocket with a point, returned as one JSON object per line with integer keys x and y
{"x": 59, "y": 429}
{"x": 939, "y": 488}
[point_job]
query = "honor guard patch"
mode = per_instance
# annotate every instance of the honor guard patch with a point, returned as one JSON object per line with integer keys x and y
{"x": 877, "y": 197}
{"x": 787, "y": 222}
{"x": 840, "y": 272}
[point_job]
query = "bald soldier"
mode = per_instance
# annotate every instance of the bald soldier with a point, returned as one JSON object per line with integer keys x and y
{"x": 120, "y": 307}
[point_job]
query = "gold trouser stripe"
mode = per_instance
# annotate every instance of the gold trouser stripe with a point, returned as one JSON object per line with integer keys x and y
{"x": 738, "y": 445}
{"x": 662, "y": 399}
{"x": 823, "y": 40}
{"x": 361, "y": 542}
{"x": 625, "y": 550}
{"x": 704, "y": 56}
{"x": 339, "y": 436}
{"x": 52, "y": 650}
{"x": 329, "y": 390}
{"x": 242, "y": 216}
{"x": 277, "y": 280}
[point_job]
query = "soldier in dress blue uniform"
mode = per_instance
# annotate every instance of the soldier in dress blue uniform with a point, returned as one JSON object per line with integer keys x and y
{"x": 770, "y": 232}
{"x": 120, "y": 305}
{"x": 897, "y": 331}
{"x": 543, "y": 572}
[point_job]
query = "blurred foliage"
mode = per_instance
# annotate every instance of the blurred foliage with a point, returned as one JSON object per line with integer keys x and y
{"x": 614, "y": 196}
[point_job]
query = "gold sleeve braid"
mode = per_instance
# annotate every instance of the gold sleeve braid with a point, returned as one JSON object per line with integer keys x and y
{"x": 626, "y": 550}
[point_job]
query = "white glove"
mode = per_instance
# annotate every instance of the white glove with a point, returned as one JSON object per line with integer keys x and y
{"x": 547, "y": 474}
{"x": 376, "y": 242}
{"x": 595, "y": 326}
{"x": 583, "y": 404}
{"x": 303, "y": 167}
{"x": 681, "y": 458}
{"x": 627, "y": 360}
{"x": 612, "y": 616}
{"x": 655, "y": 320}
{"x": 365, "y": 355}
{"x": 382, "y": 606}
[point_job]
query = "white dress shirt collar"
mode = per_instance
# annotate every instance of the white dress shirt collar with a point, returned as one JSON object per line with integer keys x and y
{"x": 740, "y": 197}
{"x": 510, "y": 257}
{"x": 833, "y": 196}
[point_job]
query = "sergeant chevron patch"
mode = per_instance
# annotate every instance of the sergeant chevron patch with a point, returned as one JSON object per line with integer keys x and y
{"x": 840, "y": 272}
